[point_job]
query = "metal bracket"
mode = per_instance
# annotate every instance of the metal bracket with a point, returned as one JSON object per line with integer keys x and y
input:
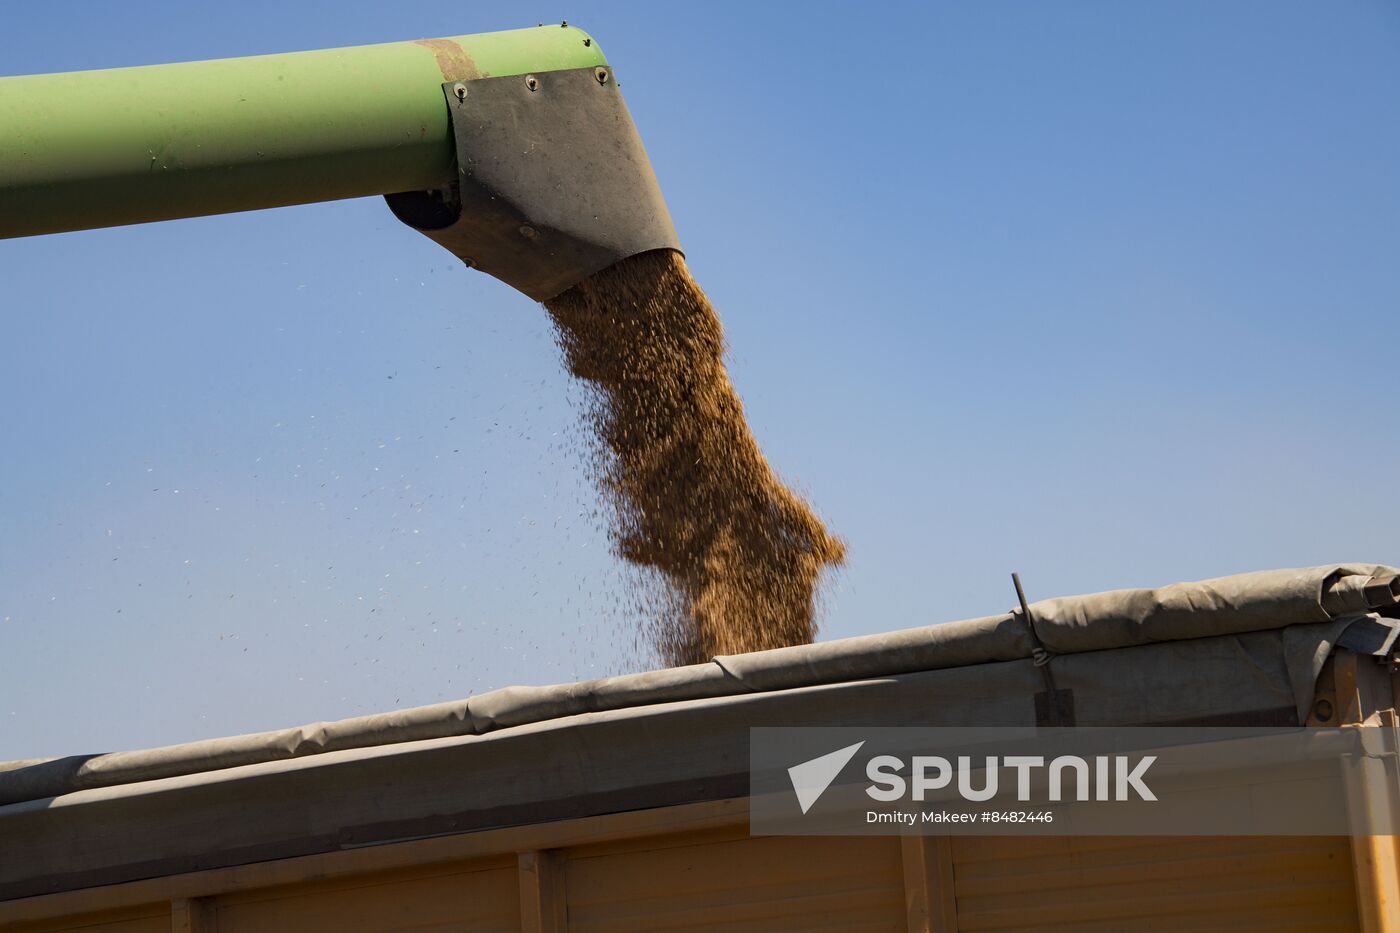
{"x": 553, "y": 183}
{"x": 1382, "y": 592}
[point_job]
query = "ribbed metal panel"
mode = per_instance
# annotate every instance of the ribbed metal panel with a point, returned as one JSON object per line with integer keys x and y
{"x": 1154, "y": 884}
{"x": 115, "y": 922}
{"x": 459, "y": 901}
{"x": 743, "y": 884}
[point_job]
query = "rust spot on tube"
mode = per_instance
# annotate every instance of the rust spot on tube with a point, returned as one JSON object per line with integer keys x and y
{"x": 452, "y": 60}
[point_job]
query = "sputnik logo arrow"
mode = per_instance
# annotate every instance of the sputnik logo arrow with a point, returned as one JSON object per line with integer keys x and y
{"x": 811, "y": 778}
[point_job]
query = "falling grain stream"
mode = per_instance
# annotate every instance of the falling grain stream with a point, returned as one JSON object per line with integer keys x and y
{"x": 737, "y": 554}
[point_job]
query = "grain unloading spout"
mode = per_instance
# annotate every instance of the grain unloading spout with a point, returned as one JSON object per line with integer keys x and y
{"x": 512, "y": 149}
{"x": 552, "y": 181}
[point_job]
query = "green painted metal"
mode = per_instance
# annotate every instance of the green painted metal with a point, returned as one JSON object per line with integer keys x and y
{"x": 132, "y": 145}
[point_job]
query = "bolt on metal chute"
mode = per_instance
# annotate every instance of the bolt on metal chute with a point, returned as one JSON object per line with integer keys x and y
{"x": 514, "y": 149}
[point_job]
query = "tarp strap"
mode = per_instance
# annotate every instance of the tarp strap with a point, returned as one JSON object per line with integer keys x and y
{"x": 1040, "y": 655}
{"x": 1372, "y": 634}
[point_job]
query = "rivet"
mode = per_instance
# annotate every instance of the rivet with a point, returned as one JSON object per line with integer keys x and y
{"x": 528, "y": 232}
{"x": 601, "y": 74}
{"x": 1322, "y": 709}
{"x": 532, "y": 82}
{"x": 460, "y": 90}
{"x": 469, "y": 262}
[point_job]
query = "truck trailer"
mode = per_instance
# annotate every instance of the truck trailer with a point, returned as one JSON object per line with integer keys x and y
{"x": 624, "y": 804}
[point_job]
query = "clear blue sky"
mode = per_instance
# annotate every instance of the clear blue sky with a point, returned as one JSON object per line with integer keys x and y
{"x": 1100, "y": 292}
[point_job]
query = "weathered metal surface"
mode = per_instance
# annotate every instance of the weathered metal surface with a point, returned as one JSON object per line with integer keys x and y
{"x": 452, "y": 60}
{"x": 553, "y": 181}
{"x": 131, "y": 145}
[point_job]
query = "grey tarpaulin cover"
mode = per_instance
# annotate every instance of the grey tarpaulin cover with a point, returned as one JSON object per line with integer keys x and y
{"x": 1120, "y": 652}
